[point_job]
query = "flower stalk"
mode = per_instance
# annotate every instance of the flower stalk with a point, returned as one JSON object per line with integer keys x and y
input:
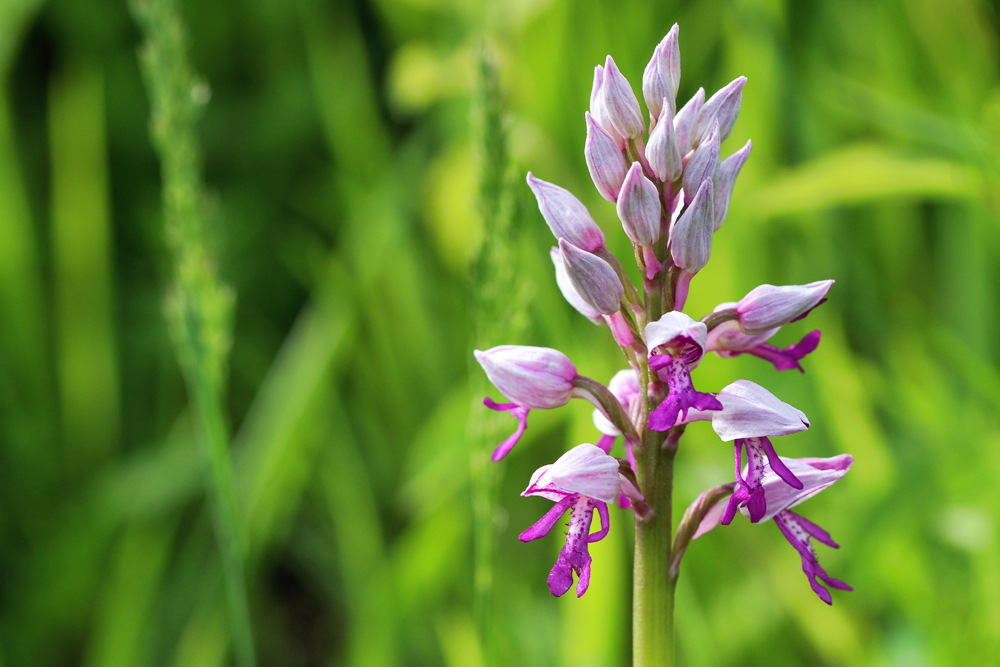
{"x": 671, "y": 193}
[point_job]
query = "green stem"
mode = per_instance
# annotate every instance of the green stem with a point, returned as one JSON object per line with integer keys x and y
{"x": 653, "y": 587}
{"x": 214, "y": 443}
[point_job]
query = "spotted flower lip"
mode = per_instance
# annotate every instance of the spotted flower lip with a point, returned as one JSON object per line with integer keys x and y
{"x": 583, "y": 479}
{"x": 566, "y": 215}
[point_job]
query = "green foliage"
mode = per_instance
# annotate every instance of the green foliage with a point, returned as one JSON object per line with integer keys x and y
{"x": 356, "y": 177}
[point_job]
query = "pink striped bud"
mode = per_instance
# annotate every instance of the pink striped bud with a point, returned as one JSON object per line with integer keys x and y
{"x": 691, "y": 235}
{"x": 727, "y": 180}
{"x": 663, "y": 152}
{"x": 570, "y": 293}
{"x": 566, "y": 216}
{"x": 600, "y": 112}
{"x": 684, "y": 121}
{"x": 619, "y": 99}
{"x": 535, "y": 377}
{"x": 705, "y": 163}
{"x": 605, "y": 162}
{"x": 722, "y": 108}
{"x": 662, "y": 76}
{"x": 639, "y": 207}
{"x": 594, "y": 279}
{"x": 767, "y": 306}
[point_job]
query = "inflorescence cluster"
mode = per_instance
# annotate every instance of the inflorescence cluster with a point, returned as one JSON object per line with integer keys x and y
{"x": 672, "y": 191}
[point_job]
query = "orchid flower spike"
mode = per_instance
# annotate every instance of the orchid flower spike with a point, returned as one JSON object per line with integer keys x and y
{"x": 536, "y": 378}
{"x": 583, "y": 479}
{"x": 566, "y": 216}
{"x": 728, "y": 340}
{"x": 766, "y": 307}
{"x": 676, "y": 344}
{"x": 639, "y": 211}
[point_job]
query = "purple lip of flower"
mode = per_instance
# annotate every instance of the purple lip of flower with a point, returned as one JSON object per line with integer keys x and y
{"x": 749, "y": 492}
{"x": 584, "y": 479}
{"x": 797, "y": 530}
{"x": 816, "y": 475}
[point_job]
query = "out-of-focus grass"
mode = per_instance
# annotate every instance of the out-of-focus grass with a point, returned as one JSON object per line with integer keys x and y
{"x": 340, "y": 155}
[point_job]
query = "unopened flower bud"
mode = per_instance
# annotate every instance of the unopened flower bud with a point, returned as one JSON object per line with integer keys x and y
{"x": 766, "y": 307}
{"x": 705, "y": 163}
{"x": 662, "y": 152}
{"x": 535, "y": 377}
{"x": 594, "y": 279}
{"x": 566, "y": 216}
{"x": 662, "y": 76}
{"x": 728, "y": 172}
{"x": 570, "y": 293}
{"x": 605, "y": 162}
{"x": 691, "y": 235}
{"x": 639, "y": 207}
{"x": 600, "y": 112}
{"x": 619, "y": 100}
{"x": 684, "y": 121}
{"x": 722, "y": 108}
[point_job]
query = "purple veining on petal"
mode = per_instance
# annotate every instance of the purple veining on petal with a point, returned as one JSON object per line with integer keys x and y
{"x": 681, "y": 395}
{"x": 542, "y": 527}
{"x": 788, "y": 358}
{"x": 520, "y": 413}
{"x": 795, "y": 530}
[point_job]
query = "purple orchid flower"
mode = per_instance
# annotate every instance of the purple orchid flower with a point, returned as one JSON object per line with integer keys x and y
{"x": 766, "y": 306}
{"x": 532, "y": 377}
{"x": 728, "y": 340}
{"x": 676, "y": 345}
{"x": 815, "y": 474}
{"x": 583, "y": 479}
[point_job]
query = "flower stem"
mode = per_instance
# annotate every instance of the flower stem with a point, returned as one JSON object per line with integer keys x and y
{"x": 653, "y": 587}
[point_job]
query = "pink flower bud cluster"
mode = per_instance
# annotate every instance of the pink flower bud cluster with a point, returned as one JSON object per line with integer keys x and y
{"x": 671, "y": 189}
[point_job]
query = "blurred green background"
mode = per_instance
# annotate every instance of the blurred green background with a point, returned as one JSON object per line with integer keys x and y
{"x": 352, "y": 153}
